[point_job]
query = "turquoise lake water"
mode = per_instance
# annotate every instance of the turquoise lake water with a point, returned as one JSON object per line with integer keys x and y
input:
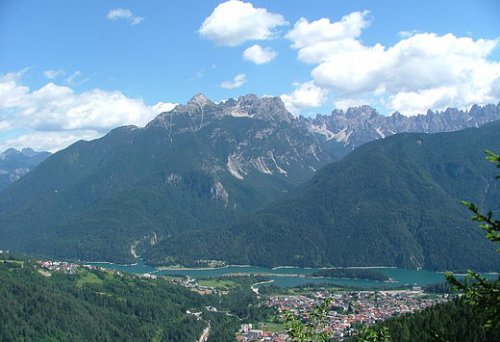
{"x": 292, "y": 276}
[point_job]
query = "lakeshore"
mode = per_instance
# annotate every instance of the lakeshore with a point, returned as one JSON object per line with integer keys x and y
{"x": 288, "y": 276}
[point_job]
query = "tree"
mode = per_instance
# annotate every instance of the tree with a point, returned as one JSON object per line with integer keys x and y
{"x": 478, "y": 291}
{"x": 312, "y": 331}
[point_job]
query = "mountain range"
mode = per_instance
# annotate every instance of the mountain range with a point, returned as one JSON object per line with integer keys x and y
{"x": 393, "y": 202}
{"x": 359, "y": 125}
{"x": 193, "y": 172}
{"x": 199, "y": 166}
{"x": 14, "y": 164}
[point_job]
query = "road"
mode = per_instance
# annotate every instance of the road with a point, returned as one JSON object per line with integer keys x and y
{"x": 204, "y": 335}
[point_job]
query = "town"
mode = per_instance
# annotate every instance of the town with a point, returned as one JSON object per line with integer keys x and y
{"x": 349, "y": 310}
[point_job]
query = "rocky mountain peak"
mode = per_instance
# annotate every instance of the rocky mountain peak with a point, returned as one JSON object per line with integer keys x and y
{"x": 199, "y": 100}
{"x": 9, "y": 152}
{"x": 197, "y": 104}
{"x": 358, "y": 125}
{"x": 364, "y": 111}
{"x": 201, "y": 111}
{"x": 264, "y": 108}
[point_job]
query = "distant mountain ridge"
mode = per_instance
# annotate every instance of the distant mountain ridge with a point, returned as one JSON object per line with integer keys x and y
{"x": 359, "y": 125}
{"x": 14, "y": 164}
{"x": 197, "y": 168}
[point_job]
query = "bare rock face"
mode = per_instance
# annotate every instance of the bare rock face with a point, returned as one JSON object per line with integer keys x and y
{"x": 259, "y": 135}
{"x": 359, "y": 125}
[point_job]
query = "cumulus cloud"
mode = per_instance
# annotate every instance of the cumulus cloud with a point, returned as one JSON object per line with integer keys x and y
{"x": 305, "y": 95}
{"x": 56, "y": 115}
{"x": 421, "y": 71}
{"x": 318, "y": 39}
{"x": 124, "y": 14}
{"x": 234, "y": 22}
{"x": 237, "y": 82}
{"x": 259, "y": 55}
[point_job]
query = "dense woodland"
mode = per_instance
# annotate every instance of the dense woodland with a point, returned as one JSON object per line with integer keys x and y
{"x": 454, "y": 321}
{"x": 102, "y": 306}
{"x": 351, "y": 212}
{"x": 92, "y": 200}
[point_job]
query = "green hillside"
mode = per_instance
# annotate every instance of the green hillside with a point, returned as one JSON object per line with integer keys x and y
{"x": 393, "y": 202}
{"x": 93, "y": 306}
{"x": 93, "y": 200}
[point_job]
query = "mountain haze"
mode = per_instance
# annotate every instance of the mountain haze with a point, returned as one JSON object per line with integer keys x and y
{"x": 14, "y": 164}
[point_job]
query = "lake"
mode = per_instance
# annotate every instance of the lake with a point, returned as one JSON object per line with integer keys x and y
{"x": 291, "y": 276}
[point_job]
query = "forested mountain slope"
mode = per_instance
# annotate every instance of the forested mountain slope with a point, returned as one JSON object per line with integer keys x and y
{"x": 392, "y": 202}
{"x": 197, "y": 167}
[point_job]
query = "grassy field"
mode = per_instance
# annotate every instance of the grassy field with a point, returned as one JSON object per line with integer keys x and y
{"x": 221, "y": 284}
{"x": 88, "y": 278}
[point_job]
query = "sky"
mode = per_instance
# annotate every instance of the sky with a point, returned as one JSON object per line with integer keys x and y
{"x": 72, "y": 70}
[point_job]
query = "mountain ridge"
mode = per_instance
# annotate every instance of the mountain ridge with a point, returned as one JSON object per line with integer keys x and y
{"x": 196, "y": 168}
{"x": 358, "y": 125}
{"x": 393, "y": 202}
{"x": 14, "y": 164}
{"x": 158, "y": 180}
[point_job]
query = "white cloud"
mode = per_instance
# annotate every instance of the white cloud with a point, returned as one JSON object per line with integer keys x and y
{"x": 305, "y": 34}
{"x": 76, "y": 78}
{"x": 162, "y": 107}
{"x": 345, "y": 103}
{"x": 259, "y": 55}
{"x": 5, "y": 126}
{"x": 233, "y": 22}
{"x": 408, "y": 34}
{"x": 51, "y": 74}
{"x": 49, "y": 141}
{"x": 316, "y": 40}
{"x": 421, "y": 71}
{"x": 305, "y": 95}
{"x": 125, "y": 14}
{"x": 57, "y": 114}
{"x": 237, "y": 82}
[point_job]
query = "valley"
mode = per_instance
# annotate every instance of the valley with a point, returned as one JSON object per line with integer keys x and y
{"x": 245, "y": 182}
{"x": 249, "y": 171}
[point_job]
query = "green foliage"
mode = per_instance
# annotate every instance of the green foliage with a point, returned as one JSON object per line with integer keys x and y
{"x": 313, "y": 330}
{"x": 92, "y": 200}
{"x": 101, "y": 306}
{"x": 453, "y": 321}
{"x": 478, "y": 291}
{"x": 392, "y": 202}
{"x": 369, "y": 334}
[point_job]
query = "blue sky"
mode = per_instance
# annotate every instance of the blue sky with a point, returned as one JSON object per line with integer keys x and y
{"x": 73, "y": 70}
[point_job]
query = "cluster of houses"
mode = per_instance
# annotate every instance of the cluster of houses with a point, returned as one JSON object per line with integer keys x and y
{"x": 248, "y": 333}
{"x": 59, "y": 266}
{"x": 350, "y": 309}
{"x": 70, "y": 268}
